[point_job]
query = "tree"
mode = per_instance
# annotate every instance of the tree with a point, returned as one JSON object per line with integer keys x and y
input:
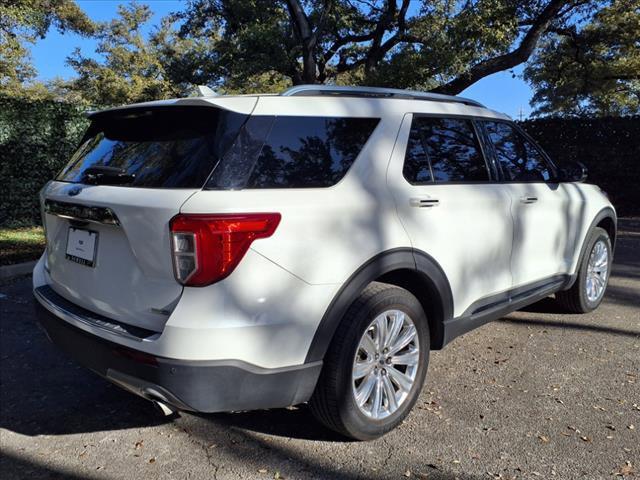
{"x": 21, "y": 23}
{"x": 131, "y": 68}
{"x": 593, "y": 68}
{"x": 437, "y": 45}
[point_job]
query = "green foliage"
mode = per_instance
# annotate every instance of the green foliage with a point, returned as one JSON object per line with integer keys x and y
{"x": 608, "y": 146}
{"x": 133, "y": 69}
{"x": 21, "y": 23}
{"x": 36, "y": 140}
{"x": 592, "y": 69}
{"x": 440, "y": 45}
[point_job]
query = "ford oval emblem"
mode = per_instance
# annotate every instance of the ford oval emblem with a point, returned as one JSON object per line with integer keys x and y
{"x": 73, "y": 191}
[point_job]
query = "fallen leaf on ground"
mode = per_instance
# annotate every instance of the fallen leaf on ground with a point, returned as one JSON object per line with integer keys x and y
{"x": 543, "y": 438}
{"x": 152, "y": 460}
{"x": 138, "y": 444}
{"x": 626, "y": 470}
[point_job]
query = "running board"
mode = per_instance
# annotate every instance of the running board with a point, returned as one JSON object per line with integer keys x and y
{"x": 511, "y": 301}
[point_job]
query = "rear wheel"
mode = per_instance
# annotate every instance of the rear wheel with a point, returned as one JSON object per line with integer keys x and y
{"x": 375, "y": 367}
{"x": 593, "y": 275}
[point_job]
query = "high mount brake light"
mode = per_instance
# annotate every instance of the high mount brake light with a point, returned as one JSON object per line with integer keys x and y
{"x": 207, "y": 248}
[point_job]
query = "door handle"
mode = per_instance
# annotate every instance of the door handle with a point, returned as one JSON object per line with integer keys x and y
{"x": 424, "y": 202}
{"x": 528, "y": 199}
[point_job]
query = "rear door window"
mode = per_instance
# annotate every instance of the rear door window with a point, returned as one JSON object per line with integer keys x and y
{"x": 166, "y": 147}
{"x": 519, "y": 159}
{"x": 443, "y": 150}
{"x": 292, "y": 152}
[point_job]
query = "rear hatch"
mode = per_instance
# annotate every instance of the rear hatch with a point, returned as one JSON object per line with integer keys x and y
{"x": 107, "y": 213}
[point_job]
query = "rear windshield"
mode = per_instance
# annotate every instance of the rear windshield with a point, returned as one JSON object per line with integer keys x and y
{"x": 188, "y": 147}
{"x": 170, "y": 147}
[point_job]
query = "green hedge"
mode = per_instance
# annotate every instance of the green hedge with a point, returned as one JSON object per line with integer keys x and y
{"x": 36, "y": 140}
{"x": 608, "y": 146}
{"x": 38, "y": 137}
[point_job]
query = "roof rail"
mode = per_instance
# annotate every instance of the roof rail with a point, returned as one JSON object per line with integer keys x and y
{"x": 376, "y": 92}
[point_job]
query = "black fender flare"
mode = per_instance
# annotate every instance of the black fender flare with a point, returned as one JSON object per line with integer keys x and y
{"x": 374, "y": 268}
{"x": 606, "y": 212}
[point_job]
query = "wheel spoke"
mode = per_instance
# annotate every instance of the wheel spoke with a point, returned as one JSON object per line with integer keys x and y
{"x": 381, "y": 331}
{"x": 405, "y": 337}
{"x": 368, "y": 345}
{"x": 390, "y": 393}
{"x": 397, "y": 321}
{"x": 403, "y": 382}
{"x": 376, "y": 404}
{"x": 409, "y": 358}
{"x": 364, "y": 390}
{"x": 362, "y": 369}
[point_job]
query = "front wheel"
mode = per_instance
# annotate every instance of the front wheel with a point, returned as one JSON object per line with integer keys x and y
{"x": 376, "y": 364}
{"x": 588, "y": 289}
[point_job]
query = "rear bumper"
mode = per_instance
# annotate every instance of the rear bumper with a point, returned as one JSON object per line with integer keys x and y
{"x": 203, "y": 386}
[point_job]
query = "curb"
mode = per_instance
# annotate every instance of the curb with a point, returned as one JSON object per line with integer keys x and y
{"x": 17, "y": 270}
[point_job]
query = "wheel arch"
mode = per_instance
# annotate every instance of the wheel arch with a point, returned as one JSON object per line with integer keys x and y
{"x": 411, "y": 269}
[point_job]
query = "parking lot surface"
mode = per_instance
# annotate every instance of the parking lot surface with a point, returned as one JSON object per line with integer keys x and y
{"x": 538, "y": 394}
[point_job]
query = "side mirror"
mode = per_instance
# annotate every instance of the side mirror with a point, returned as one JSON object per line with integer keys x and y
{"x": 572, "y": 171}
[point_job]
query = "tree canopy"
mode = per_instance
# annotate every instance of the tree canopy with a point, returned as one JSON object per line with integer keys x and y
{"x": 576, "y": 52}
{"x": 21, "y": 23}
{"x": 590, "y": 69}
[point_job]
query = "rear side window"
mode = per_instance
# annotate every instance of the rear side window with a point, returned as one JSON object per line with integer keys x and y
{"x": 292, "y": 152}
{"x": 443, "y": 150}
{"x": 171, "y": 147}
{"x": 519, "y": 159}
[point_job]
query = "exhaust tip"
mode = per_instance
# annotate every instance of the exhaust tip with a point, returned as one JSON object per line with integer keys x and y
{"x": 165, "y": 410}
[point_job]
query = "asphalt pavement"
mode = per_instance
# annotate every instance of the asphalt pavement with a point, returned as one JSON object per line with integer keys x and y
{"x": 538, "y": 394}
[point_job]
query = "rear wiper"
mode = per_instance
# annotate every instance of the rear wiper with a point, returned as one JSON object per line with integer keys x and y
{"x": 103, "y": 175}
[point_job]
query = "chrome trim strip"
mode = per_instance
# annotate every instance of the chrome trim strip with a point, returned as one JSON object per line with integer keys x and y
{"x": 81, "y": 213}
{"x": 71, "y": 317}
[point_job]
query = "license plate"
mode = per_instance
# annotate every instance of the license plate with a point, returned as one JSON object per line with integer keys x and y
{"x": 81, "y": 246}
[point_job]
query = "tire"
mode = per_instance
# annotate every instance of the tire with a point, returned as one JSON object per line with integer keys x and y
{"x": 577, "y": 299}
{"x": 334, "y": 401}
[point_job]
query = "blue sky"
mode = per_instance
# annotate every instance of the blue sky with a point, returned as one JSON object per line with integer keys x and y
{"x": 499, "y": 91}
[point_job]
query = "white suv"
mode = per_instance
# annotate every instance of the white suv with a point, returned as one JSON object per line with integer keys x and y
{"x": 227, "y": 253}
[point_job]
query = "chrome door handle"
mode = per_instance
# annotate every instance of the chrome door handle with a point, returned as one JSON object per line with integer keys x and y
{"x": 424, "y": 202}
{"x": 527, "y": 199}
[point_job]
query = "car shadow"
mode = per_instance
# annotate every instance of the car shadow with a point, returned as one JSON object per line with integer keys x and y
{"x": 293, "y": 422}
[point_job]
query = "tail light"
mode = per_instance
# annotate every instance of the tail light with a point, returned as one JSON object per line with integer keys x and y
{"x": 206, "y": 248}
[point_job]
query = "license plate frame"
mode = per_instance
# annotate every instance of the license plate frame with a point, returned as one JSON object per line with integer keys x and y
{"x": 82, "y": 246}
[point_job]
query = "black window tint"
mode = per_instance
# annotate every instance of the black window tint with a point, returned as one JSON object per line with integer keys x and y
{"x": 519, "y": 159}
{"x": 174, "y": 147}
{"x": 451, "y": 148}
{"x": 416, "y": 164}
{"x": 306, "y": 152}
